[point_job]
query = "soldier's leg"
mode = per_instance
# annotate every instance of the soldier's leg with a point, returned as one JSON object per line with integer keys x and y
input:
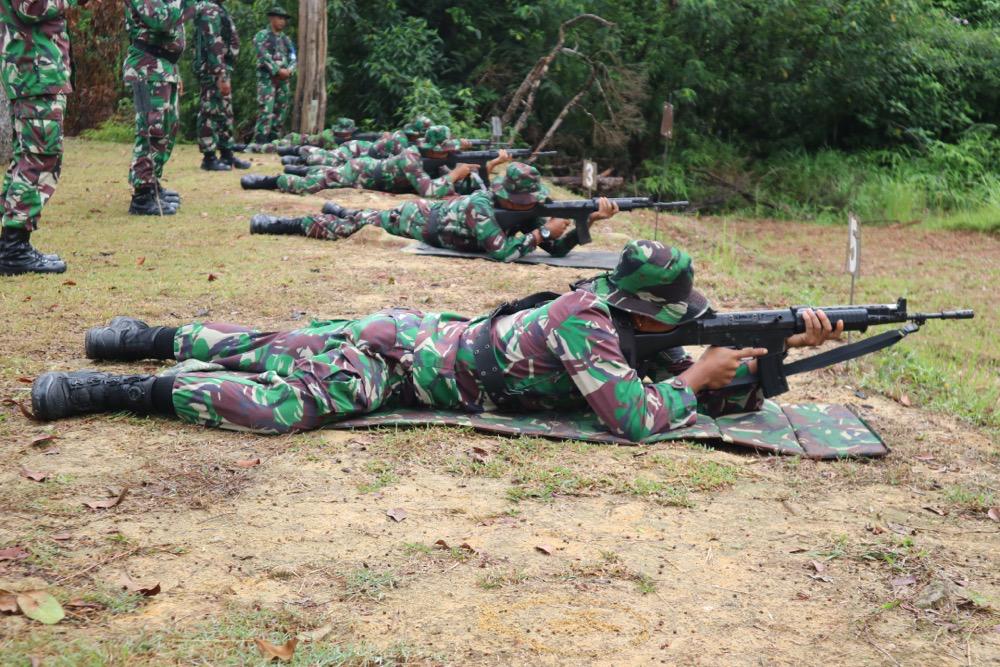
{"x": 265, "y": 110}
{"x": 148, "y": 134}
{"x": 282, "y": 105}
{"x": 315, "y": 181}
{"x": 208, "y": 121}
{"x": 167, "y": 95}
{"x": 30, "y": 181}
{"x": 37, "y": 161}
{"x": 245, "y": 349}
{"x": 333, "y": 227}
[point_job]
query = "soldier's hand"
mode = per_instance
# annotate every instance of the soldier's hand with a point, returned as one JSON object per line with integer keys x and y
{"x": 557, "y": 227}
{"x": 225, "y": 86}
{"x": 284, "y": 73}
{"x": 818, "y": 330}
{"x": 180, "y": 87}
{"x": 717, "y": 367}
{"x": 462, "y": 171}
{"x": 605, "y": 209}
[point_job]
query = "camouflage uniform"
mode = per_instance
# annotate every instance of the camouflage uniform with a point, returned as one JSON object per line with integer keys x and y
{"x": 384, "y": 148}
{"x": 217, "y": 45}
{"x": 562, "y": 355}
{"x": 156, "y": 35}
{"x": 330, "y": 138}
{"x": 274, "y": 96}
{"x": 36, "y": 79}
{"x": 400, "y": 173}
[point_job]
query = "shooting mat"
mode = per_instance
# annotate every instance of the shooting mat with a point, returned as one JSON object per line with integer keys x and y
{"x": 604, "y": 260}
{"x": 811, "y": 430}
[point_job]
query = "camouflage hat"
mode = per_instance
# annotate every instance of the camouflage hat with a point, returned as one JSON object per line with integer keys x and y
{"x": 395, "y": 143}
{"x": 343, "y": 127}
{"x": 520, "y": 184}
{"x": 418, "y": 126}
{"x": 278, "y": 11}
{"x": 438, "y": 139}
{"x": 651, "y": 279}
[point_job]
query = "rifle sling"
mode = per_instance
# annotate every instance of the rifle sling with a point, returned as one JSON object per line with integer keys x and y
{"x": 432, "y": 232}
{"x": 488, "y": 370}
{"x": 171, "y": 57}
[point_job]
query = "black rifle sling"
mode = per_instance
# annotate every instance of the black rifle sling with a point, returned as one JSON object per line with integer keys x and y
{"x": 837, "y": 355}
{"x": 488, "y": 370}
{"x": 433, "y": 229}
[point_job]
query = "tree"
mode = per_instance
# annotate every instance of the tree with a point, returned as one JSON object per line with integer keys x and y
{"x": 309, "y": 114}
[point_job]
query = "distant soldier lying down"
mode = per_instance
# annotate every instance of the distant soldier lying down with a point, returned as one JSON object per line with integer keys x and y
{"x": 547, "y": 352}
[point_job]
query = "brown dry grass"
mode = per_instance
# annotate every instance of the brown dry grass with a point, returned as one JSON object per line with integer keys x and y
{"x": 648, "y": 561}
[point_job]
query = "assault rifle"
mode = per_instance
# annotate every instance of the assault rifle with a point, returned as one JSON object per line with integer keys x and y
{"x": 769, "y": 329}
{"x": 577, "y": 210}
{"x": 432, "y": 165}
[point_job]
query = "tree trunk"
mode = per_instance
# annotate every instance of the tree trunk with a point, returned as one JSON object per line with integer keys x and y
{"x": 309, "y": 113}
{"x": 6, "y": 131}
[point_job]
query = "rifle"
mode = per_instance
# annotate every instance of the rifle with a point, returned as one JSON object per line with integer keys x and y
{"x": 432, "y": 165}
{"x": 577, "y": 210}
{"x": 770, "y": 328}
{"x": 488, "y": 143}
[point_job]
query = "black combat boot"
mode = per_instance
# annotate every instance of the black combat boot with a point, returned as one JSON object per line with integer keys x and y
{"x": 17, "y": 256}
{"x": 333, "y": 208}
{"x": 287, "y": 150}
{"x": 268, "y": 224}
{"x": 129, "y": 339}
{"x": 211, "y": 163}
{"x": 292, "y": 160}
{"x": 259, "y": 182}
{"x": 227, "y": 157}
{"x": 297, "y": 170}
{"x": 167, "y": 195}
{"x": 146, "y": 202}
{"x": 239, "y": 148}
{"x": 58, "y": 395}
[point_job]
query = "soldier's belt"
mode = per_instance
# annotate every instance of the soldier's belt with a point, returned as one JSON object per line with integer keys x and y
{"x": 172, "y": 57}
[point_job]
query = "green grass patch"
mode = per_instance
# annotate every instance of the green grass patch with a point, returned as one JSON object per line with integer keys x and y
{"x": 365, "y": 583}
{"x": 384, "y": 476}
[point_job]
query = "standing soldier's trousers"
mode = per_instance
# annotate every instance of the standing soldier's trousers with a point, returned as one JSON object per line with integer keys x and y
{"x": 274, "y": 97}
{"x": 34, "y": 169}
{"x": 280, "y": 382}
{"x": 215, "y": 118}
{"x": 155, "y": 130}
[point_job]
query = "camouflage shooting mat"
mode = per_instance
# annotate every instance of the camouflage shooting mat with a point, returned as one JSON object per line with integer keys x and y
{"x": 811, "y": 430}
{"x": 604, "y": 260}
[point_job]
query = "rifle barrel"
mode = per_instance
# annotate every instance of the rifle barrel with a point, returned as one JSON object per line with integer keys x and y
{"x": 966, "y": 314}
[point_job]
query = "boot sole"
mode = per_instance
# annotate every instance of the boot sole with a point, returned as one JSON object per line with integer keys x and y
{"x": 20, "y": 271}
{"x": 40, "y": 390}
{"x": 166, "y": 211}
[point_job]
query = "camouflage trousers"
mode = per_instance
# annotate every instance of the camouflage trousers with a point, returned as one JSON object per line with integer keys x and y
{"x": 215, "y": 118}
{"x": 317, "y": 180}
{"x": 408, "y": 220}
{"x": 155, "y": 130}
{"x": 292, "y": 139}
{"x": 34, "y": 169}
{"x": 281, "y": 382}
{"x": 274, "y": 98}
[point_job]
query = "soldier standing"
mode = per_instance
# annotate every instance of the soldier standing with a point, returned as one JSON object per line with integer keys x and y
{"x": 36, "y": 78}
{"x": 156, "y": 43}
{"x": 216, "y": 46}
{"x": 275, "y": 65}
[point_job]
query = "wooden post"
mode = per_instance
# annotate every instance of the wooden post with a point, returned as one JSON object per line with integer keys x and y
{"x": 309, "y": 112}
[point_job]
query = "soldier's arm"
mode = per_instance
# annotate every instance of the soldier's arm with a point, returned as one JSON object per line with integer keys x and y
{"x": 581, "y": 334}
{"x": 494, "y": 241}
{"x": 422, "y": 183}
{"x": 265, "y": 58}
{"x": 162, "y": 15}
{"x": 37, "y": 11}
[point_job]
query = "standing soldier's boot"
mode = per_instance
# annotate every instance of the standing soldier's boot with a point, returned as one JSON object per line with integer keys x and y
{"x": 17, "y": 256}
{"x": 227, "y": 157}
{"x": 58, "y": 395}
{"x": 169, "y": 196}
{"x": 268, "y": 224}
{"x": 145, "y": 201}
{"x": 259, "y": 182}
{"x": 211, "y": 163}
{"x": 129, "y": 339}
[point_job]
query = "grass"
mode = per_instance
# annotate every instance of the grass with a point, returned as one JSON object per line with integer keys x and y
{"x": 365, "y": 583}
{"x": 384, "y": 476}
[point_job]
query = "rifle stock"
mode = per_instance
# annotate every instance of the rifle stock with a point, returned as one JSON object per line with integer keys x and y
{"x": 577, "y": 210}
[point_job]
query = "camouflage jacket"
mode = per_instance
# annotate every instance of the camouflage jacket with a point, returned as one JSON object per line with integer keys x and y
{"x": 400, "y": 173}
{"x": 274, "y": 52}
{"x": 217, "y": 43}
{"x": 334, "y": 157}
{"x": 464, "y": 223}
{"x": 563, "y": 355}
{"x": 35, "y": 45}
{"x": 156, "y": 39}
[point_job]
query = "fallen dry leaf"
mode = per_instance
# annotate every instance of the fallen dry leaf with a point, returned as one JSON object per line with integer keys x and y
{"x": 41, "y": 439}
{"x": 924, "y": 457}
{"x": 397, "y": 514}
{"x": 905, "y": 400}
{"x": 8, "y": 603}
{"x": 801, "y": 596}
{"x": 818, "y": 566}
{"x": 247, "y": 463}
{"x": 34, "y": 475}
{"x": 107, "y": 503}
{"x": 900, "y": 529}
{"x": 14, "y": 553}
{"x": 133, "y": 586}
{"x": 441, "y": 544}
{"x": 935, "y": 510}
{"x": 319, "y": 634}
{"x": 465, "y": 546}
{"x": 900, "y": 582}
{"x": 69, "y": 283}
{"x": 26, "y": 380}
{"x": 140, "y": 261}
{"x": 544, "y": 548}
{"x": 479, "y": 455}
{"x": 40, "y": 606}
{"x": 61, "y": 537}
{"x": 28, "y": 414}
{"x": 994, "y": 513}
{"x": 212, "y": 277}
{"x": 272, "y": 652}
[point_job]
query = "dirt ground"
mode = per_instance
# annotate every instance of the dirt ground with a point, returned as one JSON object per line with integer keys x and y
{"x": 530, "y": 552}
